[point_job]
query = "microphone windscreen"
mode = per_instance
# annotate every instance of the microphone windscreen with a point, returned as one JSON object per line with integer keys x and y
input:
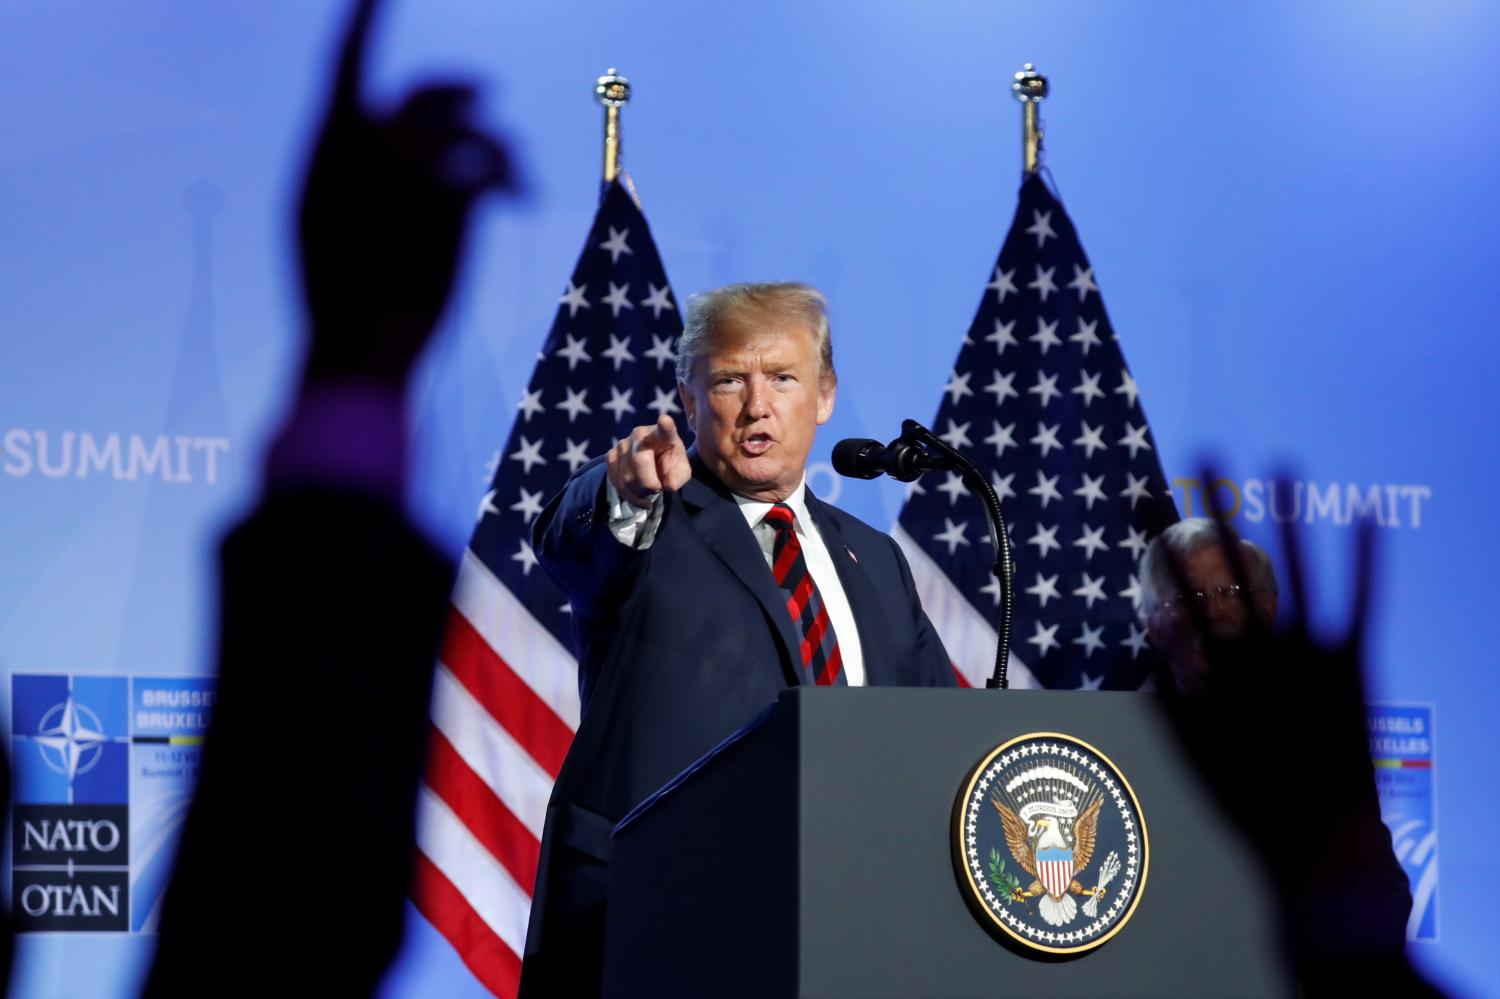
{"x": 855, "y": 457}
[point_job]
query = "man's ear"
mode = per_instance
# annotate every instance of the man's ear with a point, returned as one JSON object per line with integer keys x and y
{"x": 828, "y": 387}
{"x": 1158, "y": 630}
{"x": 689, "y": 405}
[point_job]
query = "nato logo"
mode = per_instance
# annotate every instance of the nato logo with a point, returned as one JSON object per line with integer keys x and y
{"x": 1049, "y": 844}
{"x": 71, "y": 826}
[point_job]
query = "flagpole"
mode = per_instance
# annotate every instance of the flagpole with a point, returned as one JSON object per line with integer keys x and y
{"x": 1030, "y": 88}
{"x": 613, "y": 91}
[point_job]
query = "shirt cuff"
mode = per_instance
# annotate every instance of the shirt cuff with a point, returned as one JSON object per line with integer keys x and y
{"x": 632, "y": 526}
{"x": 347, "y": 434}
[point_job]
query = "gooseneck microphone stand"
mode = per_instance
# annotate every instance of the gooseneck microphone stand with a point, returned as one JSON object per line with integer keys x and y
{"x": 919, "y": 450}
{"x": 1004, "y": 566}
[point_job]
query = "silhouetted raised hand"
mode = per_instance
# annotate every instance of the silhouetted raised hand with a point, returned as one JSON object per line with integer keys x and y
{"x": 383, "y": 216}
{"x": 296, "y": 854}
{"x": 1279, "y": 735}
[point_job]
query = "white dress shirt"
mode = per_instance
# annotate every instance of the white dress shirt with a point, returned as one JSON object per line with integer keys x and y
{"x": 636, "y": 527}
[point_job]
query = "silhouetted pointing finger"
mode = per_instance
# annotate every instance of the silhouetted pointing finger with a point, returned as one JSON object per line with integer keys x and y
{"x": 351, "y": 64}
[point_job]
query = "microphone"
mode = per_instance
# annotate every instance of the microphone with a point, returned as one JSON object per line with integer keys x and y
{"x": 904, "y": 459}
{"x": 920, "y": 450}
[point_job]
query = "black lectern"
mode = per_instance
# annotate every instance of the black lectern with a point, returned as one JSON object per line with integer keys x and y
{"x": 811, "y": 855}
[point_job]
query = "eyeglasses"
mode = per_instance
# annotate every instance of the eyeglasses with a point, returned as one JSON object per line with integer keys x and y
{"x": 1217, "y": 596}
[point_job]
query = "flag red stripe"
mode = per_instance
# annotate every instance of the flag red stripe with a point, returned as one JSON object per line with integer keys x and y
{"x": 485, "y": 815}
{"x": 504, "y": 695}
{"x": 495, "y": 965}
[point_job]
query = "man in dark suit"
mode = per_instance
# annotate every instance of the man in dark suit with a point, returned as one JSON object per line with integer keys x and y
{"x": 703, "y": 582}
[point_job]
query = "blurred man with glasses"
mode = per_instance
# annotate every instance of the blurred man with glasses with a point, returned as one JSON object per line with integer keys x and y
{"x": 1212, "y": 584}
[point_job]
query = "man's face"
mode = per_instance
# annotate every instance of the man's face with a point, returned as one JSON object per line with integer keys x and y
{"x": 1227, "y": 617}
{"x": 755, "y": 401}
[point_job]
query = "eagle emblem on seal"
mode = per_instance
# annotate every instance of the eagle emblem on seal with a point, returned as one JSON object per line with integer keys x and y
{"x": 1049, "y": 843}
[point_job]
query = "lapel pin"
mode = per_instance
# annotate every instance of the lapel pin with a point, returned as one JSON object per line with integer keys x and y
{"x": 852, "y": 557}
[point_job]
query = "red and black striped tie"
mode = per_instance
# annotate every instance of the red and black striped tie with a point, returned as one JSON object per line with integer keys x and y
{"x": 821, "y": 662}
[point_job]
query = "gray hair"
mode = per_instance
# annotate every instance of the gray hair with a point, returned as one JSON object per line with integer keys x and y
{"x": 710, "y": 311}
{"x": 1185, "y": 539}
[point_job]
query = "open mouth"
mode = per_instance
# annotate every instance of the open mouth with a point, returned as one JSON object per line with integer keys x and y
{"x": 756, "y": 444}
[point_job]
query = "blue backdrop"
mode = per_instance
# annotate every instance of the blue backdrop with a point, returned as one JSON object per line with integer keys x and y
{"x": 1290, "y": 208}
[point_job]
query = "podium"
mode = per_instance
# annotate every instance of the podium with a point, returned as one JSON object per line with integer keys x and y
{"x": 811, "y": 854}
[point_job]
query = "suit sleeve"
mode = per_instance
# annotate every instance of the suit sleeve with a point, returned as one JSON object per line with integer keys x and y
{"x": 573, "y": 542}
{"x": 332, "y": 606}
{"x": 936, "y": 668}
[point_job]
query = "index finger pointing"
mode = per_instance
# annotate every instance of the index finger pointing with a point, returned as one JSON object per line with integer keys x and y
{"x": 666, "y": 430}
{"x": 351, "y": 64}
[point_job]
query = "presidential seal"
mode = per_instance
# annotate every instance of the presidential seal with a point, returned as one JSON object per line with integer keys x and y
{"x": 1049, "y": 844}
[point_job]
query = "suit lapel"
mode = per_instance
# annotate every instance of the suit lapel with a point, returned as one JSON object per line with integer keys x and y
{"x": 716, "y": 518}
{"x": 874, "y": 638}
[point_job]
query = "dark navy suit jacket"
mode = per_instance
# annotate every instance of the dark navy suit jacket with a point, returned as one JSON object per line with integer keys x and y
{"x": 679, "y": 645}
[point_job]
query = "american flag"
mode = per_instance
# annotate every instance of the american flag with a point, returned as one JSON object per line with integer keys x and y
{"x": 505, "y": 699}
{"x": 1041, "y": 400}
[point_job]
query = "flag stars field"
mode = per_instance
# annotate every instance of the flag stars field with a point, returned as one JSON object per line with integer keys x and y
{"x": 1092, "y": 490}
{"x": 619, "y": 402}
{"x": 1046, "y": 438}
{"x": 1045, "y": 388}
{"x": 1082, "y": 483}
{"x": 487, "y": 505}
{"x": 1135, "y": 438}
{"x": 1089, "y": 639}
{"x": 1045, "y": 539}
{"x": 574, "y": 299}
{"x": 1045, "y": 489}
{"x": 1044, "y": 589}
{"x": 1002, "y": 284}
{"x": 1003, "y": 336}
{"x": 529, "y": 506}
{"x": 573, "y": 351}
{"x": 957, "y": 435}
{"x": 615, "y": 244}
{"x": 1045, "y": 336}
{"x": 958, "y": 386}
{"x": 1091, "y": 589}
{"x": 529, "y": 454}
{"x": 658, "y": 300}
{"x": 954, "y": 486}
{"x": 1086, "y": 337}
{"x": 574, "y": 404}
{"x": 952, "y": 535}
{"x": 619, "y": 351}
{"x": 1091, "y": 439}
{"x": 1091, "y": 540}
{"x": 1041, "y": 227}
{"x": 1043, "y": 284}
{"x": 575, "y": 454}
{"x": 1044, "y": 638}
{"x": 1001, "y": 387}
{"x": 1088, "y": 387}
{"x": 661, "y": 350}
{"x": 1083, "y": 281}
{"x": 618, "y": 298}
{"x": 663, "y": 401}
{"x": 530, "y": 405}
